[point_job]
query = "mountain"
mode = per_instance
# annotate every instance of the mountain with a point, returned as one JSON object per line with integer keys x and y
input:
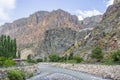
{"x": 106, "y": 33}
{"x": 31, "y": 30}
{"x": 108, "y": 29}
{"x": 89, "y": 22}
{"x": 59, "y": 40}
{"x": 48, "y": 32}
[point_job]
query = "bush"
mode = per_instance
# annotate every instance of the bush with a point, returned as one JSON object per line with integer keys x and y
{"x": 16, "y": 75}
{"x": 45, "y": 59}
{"x": 2, "y": 59}
{"x": 62, "y": 58}
{"x": 115, "y": 56}
{"x": 70, "y": 56}
{"x": 39, "y": 60}
{"x": 53, "y": 58}
{"x": 9, "y": 63}
{"x": 78, "y": 59}
{"x": 97, "y": 54}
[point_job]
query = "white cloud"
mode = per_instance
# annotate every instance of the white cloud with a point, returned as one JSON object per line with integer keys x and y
{"x": 83, "y": 14}
{"x": 109, "y": 2}
{"x": 5, "y": 8}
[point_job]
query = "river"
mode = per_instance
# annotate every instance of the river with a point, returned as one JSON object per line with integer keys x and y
{"x": 48, "y": 72}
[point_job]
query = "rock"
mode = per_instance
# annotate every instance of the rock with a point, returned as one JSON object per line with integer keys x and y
{"x": 59, "y": 40}
{"x": 90, "y": 22}
{"x": 116, "y": 1}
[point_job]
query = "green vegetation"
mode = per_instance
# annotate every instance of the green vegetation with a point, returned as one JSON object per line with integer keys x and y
{"x": 6, "y": 62}
{"x": 39, "y": 60}
{"x": 113, "y": 58}
{"x": 70, "y": 59}
{"x": 78, "y": 59}
{"x": 16, "y": 75}
{"x": 8, "y": 47}
{"x": 30, "y": 60}
{"x": 97, "y": 54}
{"x": 53, "y": 58}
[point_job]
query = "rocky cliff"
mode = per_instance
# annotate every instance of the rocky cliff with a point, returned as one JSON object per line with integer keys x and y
{"x": 106, "y": 33}
{"x": 49, "y": 32}
{"x": 116, "y": 1}
{"x": 90, "y": 22}
{"x": 31, "y": 30}
{"x": 59, "y": 40}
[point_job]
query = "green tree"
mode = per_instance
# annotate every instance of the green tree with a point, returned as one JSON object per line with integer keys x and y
{"x": 97, "y": 54}
{"x": 53, "y": 58}
{"x": 8, "y": 47}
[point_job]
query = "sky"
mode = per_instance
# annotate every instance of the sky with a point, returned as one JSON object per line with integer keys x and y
{"x": 11, "y": 10}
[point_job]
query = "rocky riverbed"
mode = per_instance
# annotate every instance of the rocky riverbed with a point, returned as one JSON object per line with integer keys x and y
{"x": 105, "y": 71}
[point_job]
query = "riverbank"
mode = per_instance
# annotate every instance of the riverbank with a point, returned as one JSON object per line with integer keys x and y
{"x": 105, "y": 71}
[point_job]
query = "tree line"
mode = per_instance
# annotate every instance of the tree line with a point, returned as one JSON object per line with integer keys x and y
{"x": 8, "y": 47}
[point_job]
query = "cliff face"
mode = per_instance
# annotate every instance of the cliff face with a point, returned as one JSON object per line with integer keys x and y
{"x": 31, "y": 30}
{"x": 59, "y": 40}
{"x": 90, "y": 22}
{"x": 49, "y": 32}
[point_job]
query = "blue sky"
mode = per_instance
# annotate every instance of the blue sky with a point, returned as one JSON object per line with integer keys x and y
{"x": 11, "y": 10}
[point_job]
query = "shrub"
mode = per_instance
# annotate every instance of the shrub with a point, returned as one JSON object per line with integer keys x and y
{"x": 16, "y": 75}
{"x": 2, "y": 59}
{"x": 70, "y": 56}
{"x": 115, "y": 56}
{"x": 29, "y": 57}
{"x": 62, "y": 58}
{"x": 39, "y": 60}
{"x": 9, "y": 63}
{"x": 78, "y": 59}
{"x": 97, "y": 54}
{"x": 53, "y": 58}
{"x": 45, "y": 59}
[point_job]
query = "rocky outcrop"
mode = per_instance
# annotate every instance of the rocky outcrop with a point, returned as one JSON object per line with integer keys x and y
{"x": 112, "y": 12}
{"x": 59, "y": 40}
{"x": 90, "y": 22}
{"x": 116, "y": 1}
{"x": 106, "y": 33}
